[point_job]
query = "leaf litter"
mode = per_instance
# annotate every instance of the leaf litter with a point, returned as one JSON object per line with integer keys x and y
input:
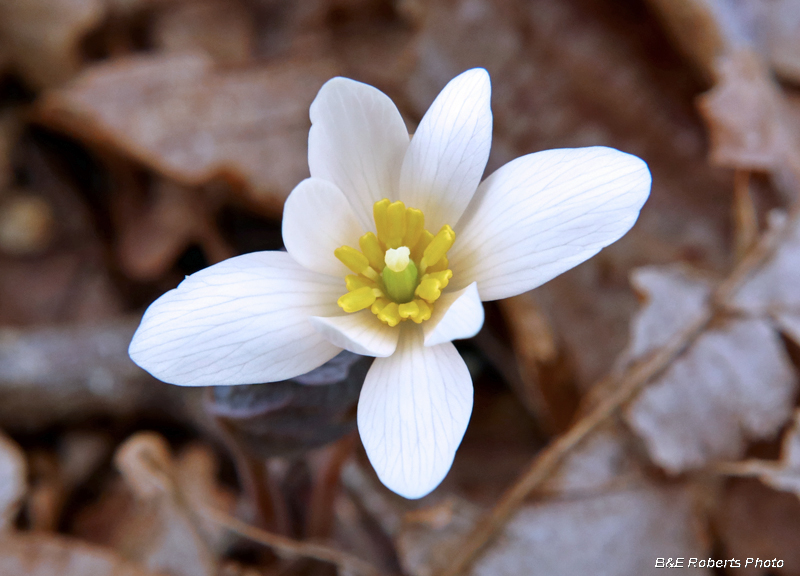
{"x": 143, "y": 139}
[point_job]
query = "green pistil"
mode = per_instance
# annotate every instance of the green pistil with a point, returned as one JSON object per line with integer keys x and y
{"x": 400, "y": 286}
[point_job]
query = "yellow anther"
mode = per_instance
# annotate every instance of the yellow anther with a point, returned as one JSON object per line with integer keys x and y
{"x": 354, "y": 282}
{"x": 390, "y": 314}
{"x": 415, "y": 225}
{"x": 378, "y": 305}
{"x": 419, "y": 248}
{"x": 372, "y": 250}
{"x": 379, "y": 214}
{"x": 357, "y": 299}
{"x": 424, "y": 313}
{"x": 395, "y": 224}
{"x": 356, "y": 261}
{"x": 438, "y": 247}
{"x": 397, "y": 259}
{"x": 431, "y": 285}
{"x": 408, "y": 310}
{"x": 440, "y": 266}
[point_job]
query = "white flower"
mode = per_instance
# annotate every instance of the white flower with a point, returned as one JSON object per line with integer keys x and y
{"x": 270, "y": 316}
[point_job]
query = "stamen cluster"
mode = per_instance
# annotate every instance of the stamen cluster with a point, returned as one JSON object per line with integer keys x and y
{"x": 417, "y": 271}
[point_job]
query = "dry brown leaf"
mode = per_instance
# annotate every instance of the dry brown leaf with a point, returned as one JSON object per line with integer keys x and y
{"x": 734, "y": 384}
{"x": 221, "y": 28}
{"x": 620, "y": 533}
{"x": 13, "y": 481}
{"x": 748, "y": 123}
{"x": 753, "y": 521}
{"x": 43, "y": 37}
{"x": 40, "y": 555}
{"x": 773, "y": 291}
{"x": 177, "y": 115}
{"x": 165, "y": 531}
{"x": 151, "y": 238}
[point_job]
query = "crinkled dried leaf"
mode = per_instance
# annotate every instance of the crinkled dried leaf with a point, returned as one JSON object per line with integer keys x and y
{"x": 221, "y": 28}
{"x": 773, "y": 290}
{"x": 734, "y": 384}
{"x": 749, "y": 125}
{"x": 40, "y": 555}
{"x": 177, "y": 115}
{"x": 13, "y": 481}
{"x": 165, "y": 531}
{"x": 43, "y": 37}
{"x": 674, "y": 297}
{"x": 620, "y": 533}
{"x": 153, "y": 236}
{"x": 753, "y": 521}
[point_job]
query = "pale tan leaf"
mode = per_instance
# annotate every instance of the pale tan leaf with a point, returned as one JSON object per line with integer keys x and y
{"x": 617, "y": 533}
{"x": 221, "y": 28}
{"x": 748, "y": 124}
{"x": 674, "y": 297}
{"x": 13, "y": 481}
{"x": 40, "y": 555}
{"x": 180, "y": 117}
{"x": 42, "y": 37}
{"x": 734, "y": 384}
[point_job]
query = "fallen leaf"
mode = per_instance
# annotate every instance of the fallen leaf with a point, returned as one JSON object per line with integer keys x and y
{"x": 41, "y": 555}
{"x": 42, "y": 37}
{"x": 733, "y": 384}
{"x": 180, "y": 117}
{"x": 13, "y": 481}
{"x": 223, "y": 29}
{"x": 165, "y": 530}
{"x": 753, "y": 521}
{"x": 749, "y": 124}
{"x": 152, "y": 237}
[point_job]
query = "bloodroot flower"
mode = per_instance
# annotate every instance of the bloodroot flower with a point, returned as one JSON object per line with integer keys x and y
{"x": 391, "y": 246}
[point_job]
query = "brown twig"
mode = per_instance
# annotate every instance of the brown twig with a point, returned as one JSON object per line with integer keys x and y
{"x": 289, "y": 548}
{"x": 627, "y": 385}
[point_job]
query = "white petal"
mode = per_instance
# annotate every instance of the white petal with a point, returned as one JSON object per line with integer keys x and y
{"x": 455, "y": 315}
{"x": 318, "y": 219}
{"x": 412, "y": 413}
{"x": 544, "y": 213}
{"x": 357, "y": 141}
{"x": 449, "y": 151}
{"x": 361, "y": 333}
{"x": 242, "y": 321}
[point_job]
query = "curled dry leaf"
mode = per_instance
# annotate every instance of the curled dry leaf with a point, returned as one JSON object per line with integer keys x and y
{"x": 41, "y": 555}
{"x": 749, "y": 123}
{"x": 151, "y": 238}
{"x": 166, "y": 531}
{"x": 706, "y": 29}
{"x": 733, "y": 384}
{"x": 773, "y": 291}
{"x": 42, "y": 37}
{"x": 221, "y": 28}
{"x": 180, "y": 117}
{"x": 13, "y": 481}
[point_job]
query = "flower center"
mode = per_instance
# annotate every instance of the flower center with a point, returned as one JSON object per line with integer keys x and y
{"x": 401, "y": 269}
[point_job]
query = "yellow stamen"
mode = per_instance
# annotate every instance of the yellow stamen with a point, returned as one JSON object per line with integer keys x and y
{"x": 408, "y": 310}
{"x": 415, "y": 226}
{"x": 395, "y": 224}
{"x": 431, "y": 285}
{"x": 440, "y": 266}
{"x": 379, "y": 214}
{"x": 372, "y": 250}
{"x": 438, "y": 247}
{"x": 357, "y": 299}
{"x": 354, "y": 282}
{"x": 424, "y": 311}
{"x": 419, "y": 248}
{"x": 356, "y": 261}
{"x": 390, "y": 314}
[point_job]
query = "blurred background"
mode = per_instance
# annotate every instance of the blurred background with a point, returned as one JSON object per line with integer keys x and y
{"x": 641, "y": 405}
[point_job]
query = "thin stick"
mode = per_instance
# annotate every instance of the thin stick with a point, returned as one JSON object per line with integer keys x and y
{"x": 629, "y": 384}
{"x": 289, "y": 548}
